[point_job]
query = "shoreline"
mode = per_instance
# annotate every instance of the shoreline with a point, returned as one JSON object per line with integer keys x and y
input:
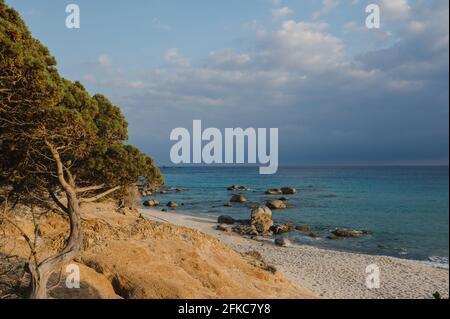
{"x": 326, "y": 272}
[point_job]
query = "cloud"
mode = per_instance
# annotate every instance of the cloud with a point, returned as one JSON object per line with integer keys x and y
{"x": 388, "y": 104}
{"x": 173, "y": 58}
{"x": 281, "y": 12}
{"x": 104, "y": 60}
{"x": 395, "y": 9}
{"x": 327, "y": 7}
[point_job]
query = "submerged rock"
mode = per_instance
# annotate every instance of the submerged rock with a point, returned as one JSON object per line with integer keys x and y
{"x": 238, "y": 198}
{"x": 314, "y": 235}
{"x": 276, "y": 204}
{"x": 229, "y": 204}
{"x": 347, "y": 233}
{"x": 303, "y": 229}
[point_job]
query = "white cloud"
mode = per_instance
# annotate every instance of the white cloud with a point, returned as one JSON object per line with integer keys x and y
{"x": 173, "y": 58}
{"x": 104, "y": 60}
{"x": 395, "y": 9}
{"x": 228, "y": 57}
{"x": 281, "y": 12}
{"x": 327, "y": 7}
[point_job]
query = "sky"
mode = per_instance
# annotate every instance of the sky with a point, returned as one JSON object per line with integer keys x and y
{"x": 338, "y": 92}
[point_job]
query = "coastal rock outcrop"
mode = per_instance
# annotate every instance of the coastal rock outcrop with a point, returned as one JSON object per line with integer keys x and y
{"x": 151, "y": 203}
{"x": 246, "y": 230}
{"x": 261, "y": 219}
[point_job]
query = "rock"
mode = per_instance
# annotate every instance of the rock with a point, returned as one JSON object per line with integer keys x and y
{"x": 237, "y": 188}
{"x": 303, "y": 228}
{"x": 261, "y": 219}
{"x": 333, "y": 237}
{"x": 179, "y": 190}
{"x": 314, "y": 235}
{"x": 281, "y": 229}
{"x": 238, "y": 198}
{"x": 224, "y": 228}
{"x": 151, "y": 203}
{"x": 282, "y": 241}
{"x": 226, "y": 220}
{"x": 345, "y": 233}
{"x": 274, "y": 191}
{"x": 276, "y": 204}
{"x": 283, "y": 199}
{"x": 249, "y": 230}
{"x": 172, "y": 205}
{"x": 288, "y": 191}
{"x": 229, "y": 204}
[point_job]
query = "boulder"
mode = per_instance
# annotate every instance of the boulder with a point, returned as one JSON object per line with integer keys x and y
{"x": 172, "y": 205}
{"x": 151, "y": 203}
{"x": 281, "y": 229}
{"x": 248, "y": 230}
{"x": 276, "y": 204}
{"x": 303, "y": 228}
{"x": 288, "y": 191}
{"x": 228, "y": 220}
{"x": 314, "y": 235}
{"x": 282, "y": 241}
{"x": 237, "y": 188}
{"x": 345, "y": 233}
{"x": 274, "y": 191}
{"x": 238, "y": 198}
{"x": 261, "y": 219}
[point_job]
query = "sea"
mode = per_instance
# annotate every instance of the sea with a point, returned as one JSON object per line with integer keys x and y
{"x": 404, "y": 209}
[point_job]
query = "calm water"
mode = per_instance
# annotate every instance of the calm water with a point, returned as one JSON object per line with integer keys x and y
{"x": 405, "y": 208}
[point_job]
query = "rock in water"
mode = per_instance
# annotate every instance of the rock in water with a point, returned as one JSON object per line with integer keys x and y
{"x": 347, "y": 233}
{"x": 172, "y": 205}
{"x": 228, "y": 220}
{"x": 276, "y": 204}
{"x": 238, "y": 198}
{"x": 261, "y": 218}
{"x": 281, "y": 229}
{"x": 282, "y": 241}
{"x": 303, "y": 228}
{"x": 274, "y": 191}
{"x": 288, "y": 191}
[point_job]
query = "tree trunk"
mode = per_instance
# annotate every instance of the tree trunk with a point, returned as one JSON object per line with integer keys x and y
{"x": 41, "y": 274}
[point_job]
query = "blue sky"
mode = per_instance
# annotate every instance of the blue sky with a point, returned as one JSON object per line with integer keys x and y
{"x": 338, "y": 92}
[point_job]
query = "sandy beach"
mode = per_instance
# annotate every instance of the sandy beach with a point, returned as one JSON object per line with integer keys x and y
{"x": 327, "y": 273}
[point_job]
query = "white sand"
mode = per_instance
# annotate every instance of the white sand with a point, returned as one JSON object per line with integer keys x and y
{"x": 328, "y": 273}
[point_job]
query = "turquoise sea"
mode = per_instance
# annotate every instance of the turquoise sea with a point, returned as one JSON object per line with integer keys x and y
{"x": 406, "y": 209}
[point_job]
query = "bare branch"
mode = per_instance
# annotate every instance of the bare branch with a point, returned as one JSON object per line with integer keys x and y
{"x": 99, "y": 196}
